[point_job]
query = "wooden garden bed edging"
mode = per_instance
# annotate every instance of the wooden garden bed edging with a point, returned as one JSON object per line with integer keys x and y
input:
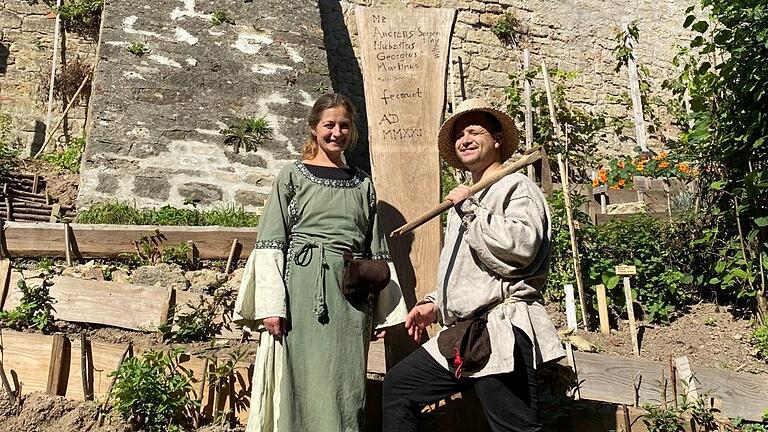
{"x": 35, "y": 240}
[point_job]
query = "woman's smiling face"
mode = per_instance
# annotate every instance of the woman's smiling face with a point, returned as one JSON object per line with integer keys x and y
{"x": 333, "y": 131}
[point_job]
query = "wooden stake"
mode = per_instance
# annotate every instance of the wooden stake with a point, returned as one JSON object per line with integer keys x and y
{"x": 634, "y": 89}
{"x": 627, "y": 421}
{"x": 67, "y": 245}
{"x": 574, "y": 244}
{"x": 570, "y": 307}
{"x": 673, "y": 379}
{"x": 8, "y": 212}
{"x": 51, "y": 84}
{"x": 602, "y": 309}
{"x": 550, "y": 102}
{"x": 192, "y": 254}
{"x": 631, "y": 315}
{"x": 85, "y": 367}
{"x": 58, "y": 372}
{"x": 199, "y": 415}
{"x": 683, "y": 368}
{"x": 231, "y": 257}
{"x": 528, "y": 106}
{"x": 452, "y": 73}
{"x": 5, "y": 280}
{"x": 63, "y": 115}
{"x": 35, "y": 183}
{"x": 232, "y": 403}
{"x": 55, "y": 213}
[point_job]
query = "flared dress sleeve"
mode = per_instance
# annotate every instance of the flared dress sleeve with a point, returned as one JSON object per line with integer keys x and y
{"x": 389, "y": 306}
{"x": 262, "y": 291}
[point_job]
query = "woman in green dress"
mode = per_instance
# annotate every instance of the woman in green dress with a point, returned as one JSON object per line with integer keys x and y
{"x": 310, "y": 366}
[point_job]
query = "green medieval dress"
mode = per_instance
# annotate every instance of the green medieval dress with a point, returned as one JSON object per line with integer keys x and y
{"x": 313, "y": 378}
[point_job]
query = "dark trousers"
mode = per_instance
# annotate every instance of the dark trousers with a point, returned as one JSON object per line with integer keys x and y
{"x": 510, "y": 400}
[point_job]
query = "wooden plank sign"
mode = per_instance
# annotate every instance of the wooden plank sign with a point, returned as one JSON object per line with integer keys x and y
{"x": 625, "y": 270}
{"x": 404, "y": 55}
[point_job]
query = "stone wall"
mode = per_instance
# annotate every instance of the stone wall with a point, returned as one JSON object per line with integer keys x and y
{"x": 571, "y": 35}
{"x": 26, "y": 51}
{"x": 155, "y": 133}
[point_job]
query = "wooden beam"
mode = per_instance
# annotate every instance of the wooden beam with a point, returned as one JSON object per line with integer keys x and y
{"x": 58, "y": 371}
{"x": 132, "y": 307}
{"x": 34, "y": 240}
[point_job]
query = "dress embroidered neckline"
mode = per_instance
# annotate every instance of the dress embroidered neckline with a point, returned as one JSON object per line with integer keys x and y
{"x": 351, "y": 183}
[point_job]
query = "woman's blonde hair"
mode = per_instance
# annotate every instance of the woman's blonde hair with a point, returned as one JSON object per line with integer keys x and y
{"x": 324, "y": 102}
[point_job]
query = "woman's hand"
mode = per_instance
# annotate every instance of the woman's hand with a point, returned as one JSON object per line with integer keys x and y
{"x": 378, "y": 334}
{"x": 419, "y": 318}
{"x": 459, "y": 194}
{"x": 275, "y": 325}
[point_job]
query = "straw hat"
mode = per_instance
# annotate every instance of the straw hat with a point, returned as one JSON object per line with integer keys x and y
{"x": 445, "y": 138}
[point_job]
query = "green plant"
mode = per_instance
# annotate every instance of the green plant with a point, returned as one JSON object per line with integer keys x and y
{"x": 154, "y": 392}
{"x": 247, "y": 132}
{"x": 68, "y": 158}
{"x": 506, "y": 29}
{"x": 45, "y": 265}
{"x": 9, "y": 156}
{"x": 220, "y": 374}
{"x": 320, "y": 87}
{"x": 198, "y": 323}
{"x": 35, "y": 309}
{"x": 138, "y": 49}
{"x": 120, "y": 213}
{"x": 178, "y": 254}
{"x": 621, "y": 171}
{"x": 722, "y": 83}
{"x": 561, "y": 270}
{"x": 759, "y": 340}
{"x": 82, "y": 17}
{"x": 220, "y": 16}
{"x": 662, "y": 419}
{"x": 148, "y": 248}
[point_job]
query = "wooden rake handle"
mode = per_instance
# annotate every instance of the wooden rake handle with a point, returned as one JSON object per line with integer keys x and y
{"x": 528, "y": 159}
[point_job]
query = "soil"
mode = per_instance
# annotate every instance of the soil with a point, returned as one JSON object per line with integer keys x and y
{"x": 60, "y": 185}
{"x": 709, "y": 335}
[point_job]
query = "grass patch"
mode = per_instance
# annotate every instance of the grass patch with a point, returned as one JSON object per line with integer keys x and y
{"x": 120, "y": 213}
{"x": 69, "y": 158}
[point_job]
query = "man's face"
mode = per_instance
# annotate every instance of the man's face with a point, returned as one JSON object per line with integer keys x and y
{"x": 474, "y": 143}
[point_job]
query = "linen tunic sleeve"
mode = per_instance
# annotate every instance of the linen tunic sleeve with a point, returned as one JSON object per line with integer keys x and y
{"x": 262, "y": 291}
{"x": 506, "y": 235}
{"x": 389, "y": 305}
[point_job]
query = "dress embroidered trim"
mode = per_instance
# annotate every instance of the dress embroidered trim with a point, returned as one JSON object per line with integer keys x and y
{"x": 345, "y": 184}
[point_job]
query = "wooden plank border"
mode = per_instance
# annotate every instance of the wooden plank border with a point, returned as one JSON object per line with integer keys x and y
{"x": 44, "y": 239}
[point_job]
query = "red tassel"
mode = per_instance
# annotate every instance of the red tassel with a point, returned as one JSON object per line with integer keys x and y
{"x": 457, "y": 362}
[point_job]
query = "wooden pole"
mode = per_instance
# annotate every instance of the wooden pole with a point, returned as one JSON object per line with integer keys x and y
{"x": 574, "y": 244}
{"x": 452, "y": 73}
{"x": 528, "y": 106}
{"x": 35, "y": 183}
{"x": 550, "y": 102}
{"x": 634, "y": 88}
{"x": 570, "y": 312}
{"x": 67, "y": 245}
{"x": 526, "y": 160}
{"x": 602, "y": 309}
{"x": 51, "y": 86}
{"x": 231, "y": 257}
{"x": 63, "y": 116}
{"x": 631, "y": 316}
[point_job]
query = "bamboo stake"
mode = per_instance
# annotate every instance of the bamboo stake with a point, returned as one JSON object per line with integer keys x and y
{"x": 574, "y": 244}
{"x": 526, "y": 160}
{"x": 528, "y": 106}
{"x": 63, "y": 115}
{"x": 51, "y": 86}
{"x": 634, "y": 89}
{"x": 550, "y": 102}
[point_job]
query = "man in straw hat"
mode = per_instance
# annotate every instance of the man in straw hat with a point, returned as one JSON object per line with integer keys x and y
{"x": 493, "y": 267}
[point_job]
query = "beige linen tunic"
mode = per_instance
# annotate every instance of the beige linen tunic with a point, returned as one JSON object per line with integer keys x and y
{"x": 503, "y": 257}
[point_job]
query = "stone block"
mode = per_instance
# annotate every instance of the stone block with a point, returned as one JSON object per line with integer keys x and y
{"x": 201, "y": 193}
{"x": 489, "y": 19}
{"x": 470, "y": 18}
{"x": 9, "y": 20}
{"x": 250, "y": 198}
{"x": 152, "y": 187}
{"x": 477, "y": 6}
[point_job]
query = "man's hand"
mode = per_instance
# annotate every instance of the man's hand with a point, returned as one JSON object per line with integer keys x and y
{"x": 419, "y": 318}
{"x": 459, "y": 194}
{"x": 275, "y": 325}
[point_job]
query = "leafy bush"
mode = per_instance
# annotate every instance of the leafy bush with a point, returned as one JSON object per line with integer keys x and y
{"x": 35, "y": 310}
{"x": 621, "y": 172}
{"x": 120, "y": 213}
{"x": 561, "y": 264}
{"x": 506, "y": 29}
{"x": 154, "y": 392}
{"x": 662, "y": 419}
{"x": 9, "y": 156}
{"x": 68, "y": 158}
{"x": 82, "y": 17}
{"x": 138, "y": 49}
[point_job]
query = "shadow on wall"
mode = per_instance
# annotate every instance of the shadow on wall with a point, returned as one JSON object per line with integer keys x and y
{"x": 346, "y": 76}
{"x": 4, "y": 53}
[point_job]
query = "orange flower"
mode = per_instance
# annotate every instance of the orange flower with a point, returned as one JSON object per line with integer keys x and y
{"x": 620, "y": 184}
{"x": 620, "y": 164}
{"x": 663, "y": 164}
{"x": 603, "y": 175}
{"x": 595, "y": 183}
{"x": 683, "y": 168}
{"x": 661, "y": 156}
{"x": 640, "y": 165}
